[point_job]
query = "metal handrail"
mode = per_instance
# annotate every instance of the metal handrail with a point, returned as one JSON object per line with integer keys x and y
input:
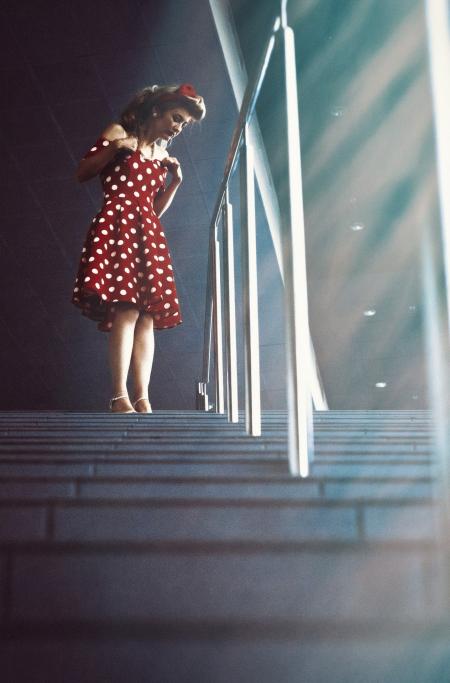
{"x": 248, "y": 105}
{"x": 300, "y": 352}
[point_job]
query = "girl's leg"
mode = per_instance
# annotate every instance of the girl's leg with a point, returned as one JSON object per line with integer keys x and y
{"x": 142, "y": 360}
{"x": 121, "y": 338}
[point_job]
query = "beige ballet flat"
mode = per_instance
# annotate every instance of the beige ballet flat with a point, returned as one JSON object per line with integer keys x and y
{"x": 143, "y": 398}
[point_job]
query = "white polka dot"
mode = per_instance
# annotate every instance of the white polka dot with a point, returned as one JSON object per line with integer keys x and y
{"x": 123, "y": 177}
{"x": 105, "y": 143}
{"x": 130, "y": 215}
{"x": 117, "y": 168}
{"x": 110, "y": 213}
{"x": 162, "y": 246}
{"x": 140, "y": 176}
{"x": 104, "y": 232}
{"x": 97, "y": 285}
{"x": 159, "y": 270}
{"x": 101, "y": 220}
{"x": 169, "y": 278}
{"x": 123, "y": 291}
{"x": 120, "y": 278}
{"x": 104, "y": 296}
{"x": 93, "y": 149}
{"x": 130, "y": 285}
{"x": 99, "y": 251}
{"x": 130, "y": 183}
{"x": 113, "y": 187}
{"x": 120, "y": 242}
{"x": 135, "y": 165}
{"x": 168, "y": 291}
{"x": 86, "y": 279}
{"x": 153, "y": 289}
{"x": 109, "y": 276}
{"x": 127, "y": 270}
{"x": 96, "y": 239}
{"x": 118, "y": 207}
{"x": 108, "y": 179}
{"x": 94, "y": 270}
{"x": 123, "y": 255}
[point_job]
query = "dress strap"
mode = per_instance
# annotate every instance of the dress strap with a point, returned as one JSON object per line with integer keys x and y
{"x": 99, "y": 144}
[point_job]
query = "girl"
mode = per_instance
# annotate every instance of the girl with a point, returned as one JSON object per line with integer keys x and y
{"x": 125, "y": 279}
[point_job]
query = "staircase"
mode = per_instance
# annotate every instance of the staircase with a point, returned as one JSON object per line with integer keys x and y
{"x": 173, "y": 548}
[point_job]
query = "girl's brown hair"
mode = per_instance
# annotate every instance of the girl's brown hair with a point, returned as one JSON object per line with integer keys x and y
{"x": 136, "y": 114}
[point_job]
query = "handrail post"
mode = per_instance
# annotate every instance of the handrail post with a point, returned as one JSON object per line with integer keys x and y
{"x": 230, "y": 312}
{"x": 299, "y": 400}
{"x": 250, "y": 290}
{"x": 218, "y": 340}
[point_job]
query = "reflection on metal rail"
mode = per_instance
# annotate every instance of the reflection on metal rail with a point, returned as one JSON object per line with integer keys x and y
{"x": 301, "y": 374}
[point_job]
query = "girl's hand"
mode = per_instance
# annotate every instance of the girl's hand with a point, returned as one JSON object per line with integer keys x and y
{"x": 174, "y": 168}
{"x": 130, "y": 142}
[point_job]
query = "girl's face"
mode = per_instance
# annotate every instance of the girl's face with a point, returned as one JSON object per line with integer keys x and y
{"x": 170, "y": 123}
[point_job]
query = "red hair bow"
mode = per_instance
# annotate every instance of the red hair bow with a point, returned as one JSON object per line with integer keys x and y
{"x": 187, "y": 90}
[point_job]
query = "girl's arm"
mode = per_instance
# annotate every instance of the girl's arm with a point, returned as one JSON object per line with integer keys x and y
{"x": 165, "y": 196}
{"x": 113, "y": 138}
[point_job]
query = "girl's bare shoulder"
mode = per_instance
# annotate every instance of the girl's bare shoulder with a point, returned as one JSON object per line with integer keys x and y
{"x": 114, "y": 132}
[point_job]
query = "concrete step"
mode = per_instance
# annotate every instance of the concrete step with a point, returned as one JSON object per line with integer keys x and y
{"x": 23, "y": 488}
{"x": 110, "y": 582}
{"x": 174, "y": 547}
{"x": 198, "y": 519}
{"x": 185, "y": 465}
{"x": 188, "y": 651}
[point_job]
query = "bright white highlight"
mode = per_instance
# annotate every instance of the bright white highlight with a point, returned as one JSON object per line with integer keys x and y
{"x": 439, "y": 48}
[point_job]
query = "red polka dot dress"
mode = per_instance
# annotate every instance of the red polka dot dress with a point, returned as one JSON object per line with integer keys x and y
{"x": 125, "y": 256}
